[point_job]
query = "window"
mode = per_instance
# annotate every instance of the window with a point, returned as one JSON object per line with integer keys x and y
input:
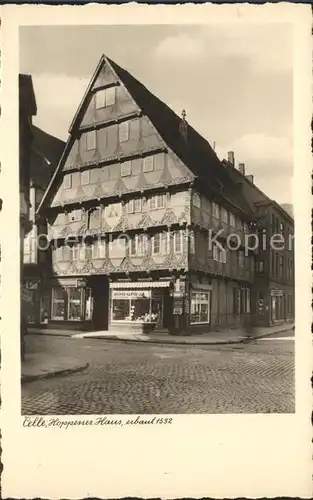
{"x": 117, "y": 248}
{"x": 148, "y": 164}
{"x": 130, "y": 206}
{"x": 91, "y": 140}
{"x": 245, "y": 228}
{"x": 98, "y": 249}
{"x": 216, "y": 210}
{"x": 281, "y": 266}
{"x": 84, "y": 177}
{"x": 142, "y": 244}
{"x": 178, "y": 242}
{"x": 196, "y": 200}
{"x": 67, "y": 181}
{"x": 134, "y": 129}
{"x": 260, "y": 267}
{"x": 74, "y": 304}
{"x": 222, "y": 255}
{"x": 75, "y": 252}
{"x": 135, "y": 305}
{"x": 75, "y": 215}
{"x": 224, "y": 216}
{"x": 215, "y": 252}
{"x": 245, "y": 300}
{"x": 105, "y": 97}
{"x": 241, "y": 258}
{"x": 156, "y": 244}
{"x": 192, "y": 245}
{"x": 165, "y": 243}
{"x": 200, "y": 307}
{"x": 123, "y": 131}
{"x": 58, "y": 303}
{"x": 232, "y": 220}
{"x": 82, "y": 252}
{"x": 126, "y": 168}
{"x": 137, "y": 205}
{"x": 157, "y": 201}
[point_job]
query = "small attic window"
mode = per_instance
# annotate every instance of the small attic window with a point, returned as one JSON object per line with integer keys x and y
{"x": 196, "y": 200}
{"x": 123, "y": 131}
{"x": 105, "y": 97}
{"x": 67, "y": 181}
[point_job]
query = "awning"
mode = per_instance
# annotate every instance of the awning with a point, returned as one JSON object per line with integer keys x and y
{"x": 140, "y": 284}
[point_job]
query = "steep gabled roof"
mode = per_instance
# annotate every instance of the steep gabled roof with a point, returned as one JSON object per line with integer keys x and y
{"x": 46, "y": 153}
{"x": 195, "y": 151}
{"x": 27, "y": 100}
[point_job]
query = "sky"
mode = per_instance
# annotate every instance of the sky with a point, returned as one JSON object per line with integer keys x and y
{"x": 234, "y": 81}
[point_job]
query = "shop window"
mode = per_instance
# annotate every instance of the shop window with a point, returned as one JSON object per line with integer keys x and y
{"x": 74, "y": 304}
{"x": 241, "y": 258}
{"x": 216, "y": 210}
{"x": 196, "y": 200}
{"x": 85, "y": 177}
{"x": 105, "y": 97}
{"x": 91, "y": 140}
{"x": 135, "y": 306}
{"x": 224, "y": 216}
{"x": 200, "y": 307}
{"x": 123, "y": 131}
{"x": 178, "y": 242}
{"x": 148, "y": 164}
{"x": 58, "y": 304}
{"x": 232, "y": 220}
{"x": 126, "y": 168}
{"x": 67, "y": 181}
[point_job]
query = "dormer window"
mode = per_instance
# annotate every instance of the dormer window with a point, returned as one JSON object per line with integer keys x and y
{"x": 91, "y": 140}
{"x": 105, "y": 97}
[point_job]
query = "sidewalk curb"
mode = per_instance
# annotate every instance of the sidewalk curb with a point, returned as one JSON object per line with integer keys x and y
{"x": 182, "y": 342}
{"x": 63, "y": 372}
{"x": 66, "y": 335}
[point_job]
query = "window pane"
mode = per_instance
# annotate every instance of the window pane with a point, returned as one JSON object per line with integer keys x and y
{"x": 120, "y": 309}
{"x": 152, "y": 202}
{"x": 110, "y": 96}
{"x": 140, "y": 310}
{"x": 89, "y": 305}
{"x": 137, "y": 205}
{"x": 58, "y": 304}
{"x": 84, "y": 177}
{"x": 134, "y": 129}
{"x": 156, "y": 243}
{"x": 148, "y": 164}
{"x": 67, "y": 181}
{"x": 160, "y": 200}
{"x": 74, "y": 304}
{"x": 123, "y": 131}
{"x": 100, "y": 99}
{"x": 177, "y": 242}
{"x": 165, "y": 243}
{"x": 126, "y": 168}
{"x": 130, "y": 206}
{"x": 91, "y": 140}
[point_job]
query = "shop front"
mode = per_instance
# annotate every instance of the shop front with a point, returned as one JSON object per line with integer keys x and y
{"x": 140, "y": 306}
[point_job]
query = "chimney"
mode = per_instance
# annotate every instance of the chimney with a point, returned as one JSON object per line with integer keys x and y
{"x": 241, "y": 168}
{"x": 231, "y": 157}
{"x": 250, "y": 178}
{"x": 183, "y": 126}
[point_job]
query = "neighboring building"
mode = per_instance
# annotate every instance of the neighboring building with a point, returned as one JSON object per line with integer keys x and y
{"x": 27, "y": 109}
{"x": 273, "y": 289}
{"x": 139, "y": 190}
{"x": 46, "y": 151}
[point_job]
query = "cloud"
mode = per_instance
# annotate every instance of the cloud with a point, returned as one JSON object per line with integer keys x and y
{"x": 58, "y": 97}
{"x": 180, "y": 46}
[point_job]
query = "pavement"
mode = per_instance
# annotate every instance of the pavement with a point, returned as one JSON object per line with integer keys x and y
{"x": 231, "y": 336}
{"x": 137, "y": 378}
{"x": 42, "y": 365}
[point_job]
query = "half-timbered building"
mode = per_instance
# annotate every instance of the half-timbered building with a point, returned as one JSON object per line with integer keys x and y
{"x": 139, "y": 212}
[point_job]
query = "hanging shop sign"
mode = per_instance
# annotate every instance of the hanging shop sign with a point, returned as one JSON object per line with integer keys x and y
{"x": 178, "y": 305}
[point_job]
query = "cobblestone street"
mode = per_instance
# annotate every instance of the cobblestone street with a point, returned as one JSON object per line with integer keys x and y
{"x": 156, "y": 379}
